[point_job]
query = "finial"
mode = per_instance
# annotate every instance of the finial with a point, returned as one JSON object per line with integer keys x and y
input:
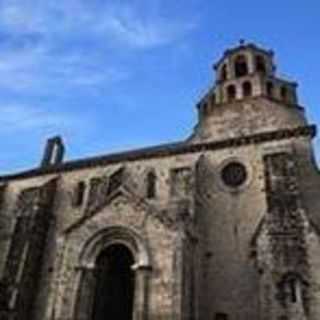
{"x": 242, "y": 42}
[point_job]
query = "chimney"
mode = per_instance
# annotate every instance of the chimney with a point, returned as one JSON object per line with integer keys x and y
{"x": 54, "y": 152}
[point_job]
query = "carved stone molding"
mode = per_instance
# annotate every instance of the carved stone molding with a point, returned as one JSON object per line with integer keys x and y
{"x": 105, "y": 189}
{"x": 102, "y": 187}
{"x": 138, "y": 246}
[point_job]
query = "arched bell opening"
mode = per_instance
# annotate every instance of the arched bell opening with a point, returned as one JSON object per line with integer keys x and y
{"x": 224, "y": 73}
{"x": 261, "y": 65}
{"x": 114, "y": 292}
{"x": 284, "y": 93}
{"x": 231, "y": 93}
{"x": 270, "y": 89}
{"x": 247, "y": 89}
{"x": 241, "y": 66}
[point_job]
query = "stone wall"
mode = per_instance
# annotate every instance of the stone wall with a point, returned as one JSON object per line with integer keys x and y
{"x": 24, "y": 261}
{"x": 247, "y": 117}
{"x": 197, "y": 231}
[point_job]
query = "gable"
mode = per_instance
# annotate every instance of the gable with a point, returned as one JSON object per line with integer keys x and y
{"x": 119, "y": 202}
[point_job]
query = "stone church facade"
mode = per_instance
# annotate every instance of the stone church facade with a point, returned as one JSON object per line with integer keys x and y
{"x": 222, "y": 226}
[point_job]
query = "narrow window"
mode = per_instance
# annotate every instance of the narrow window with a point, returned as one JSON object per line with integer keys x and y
{"x": 231, "y": 92}
{"x": 181, "y": 182}
{"x": 284, "y": 93}
{"x": 260, "y": 65}
{"x": 293, "y": 290}
{"x": 151, "y": 185}
{"x": 205, "y": 108}
{"x": 221, "y": 316}
{"x": 247, "y": 89}
{"x": 241, "y": 66}
{"x": 224, "y": 74}
{"x": 79, "y": 193}
{"x": 270, "y": 89}
{"x": 116, "y": 179}
{"x": 213, "y": 99}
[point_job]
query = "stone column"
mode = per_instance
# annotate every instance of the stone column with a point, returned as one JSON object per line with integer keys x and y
{"x": 141, "y": 292}
{"x": 86, "y": 293}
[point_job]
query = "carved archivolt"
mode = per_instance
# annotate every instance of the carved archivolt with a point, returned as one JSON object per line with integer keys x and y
{"x": 116, "y": 235}
{"x": 86, "y": 283}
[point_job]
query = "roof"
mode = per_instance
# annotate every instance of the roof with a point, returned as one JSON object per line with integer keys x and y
{"x": 161, "y": 151}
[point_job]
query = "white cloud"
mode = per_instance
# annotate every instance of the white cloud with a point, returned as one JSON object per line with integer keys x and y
{"x": 120, "y": 21}
{"x": 44, "y": 43}
{"x": 127, "y": 25}
{"x": 39, "y": 70}
{"x": 142, "y": 34}
{"x": 20, "y": 118}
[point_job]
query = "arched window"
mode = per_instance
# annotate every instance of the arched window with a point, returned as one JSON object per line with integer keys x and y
{"x": 247, "y": 89}
{"x": 205, "y": 108}
{"x": 292, "y": 284}
{"x": 260, "y": 64}
{"x": 231, "y": 92}
{"x": 224, "y": 73}
{"x": 284, "y": 93}
{"x": 213, "y": 99}
{"x": 221, "y": 316}
{"x": 291, "y": 288}
{"x": 79, "y": 193}
{"x": 114, "y": 293}
{"x": 270, "y": 89}
{"x": 151, "y": 185}
{"x": 241, "y": 66}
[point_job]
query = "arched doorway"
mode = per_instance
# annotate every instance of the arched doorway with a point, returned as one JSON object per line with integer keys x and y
{"x": 110, "y": 247}
{"x": 114, "y": 292}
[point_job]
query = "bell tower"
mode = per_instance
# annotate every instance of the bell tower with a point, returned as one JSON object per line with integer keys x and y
{"x": 256, "y": 194}
{"x": 247, "y": 97}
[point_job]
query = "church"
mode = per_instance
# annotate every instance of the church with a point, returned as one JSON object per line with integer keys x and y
{"x": 224, "y": 225}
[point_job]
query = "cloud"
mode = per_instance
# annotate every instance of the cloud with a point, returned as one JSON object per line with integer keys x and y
{"x": 64, "y": 44}
{"x": 126, "y": 25}
{"x": 24, "y": 118}
{"x": 138, "y": 34}
{"x": 39, "y": 70}
{"x": 126, "y": 21}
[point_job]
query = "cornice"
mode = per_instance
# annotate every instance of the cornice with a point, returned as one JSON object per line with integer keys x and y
{"x": 163, "y": 151}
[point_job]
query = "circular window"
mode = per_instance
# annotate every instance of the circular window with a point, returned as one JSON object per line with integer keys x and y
{"x": 234, "y": 174}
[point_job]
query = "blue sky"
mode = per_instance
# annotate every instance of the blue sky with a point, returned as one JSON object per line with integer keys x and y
{"x": 111, "y": 75}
